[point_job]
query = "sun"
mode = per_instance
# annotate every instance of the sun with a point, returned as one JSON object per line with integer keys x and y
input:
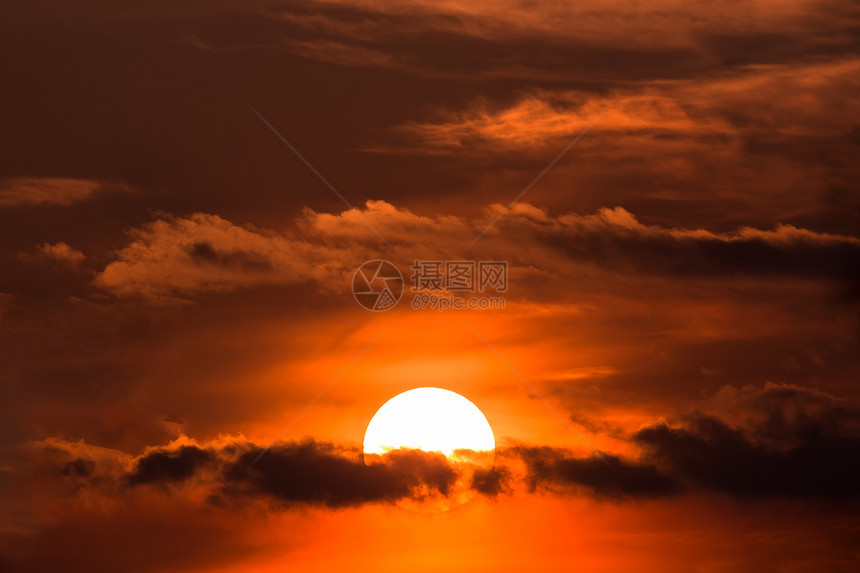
{"x": 429, "y": 419}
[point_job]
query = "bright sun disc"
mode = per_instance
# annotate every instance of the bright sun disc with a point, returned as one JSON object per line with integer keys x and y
{"x": 429, "y": 419}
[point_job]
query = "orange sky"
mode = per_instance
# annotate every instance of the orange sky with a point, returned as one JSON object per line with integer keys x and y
{"x": 176, "y": 283}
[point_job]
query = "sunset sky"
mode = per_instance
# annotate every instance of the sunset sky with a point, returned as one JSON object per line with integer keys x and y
{"x": 188, "y": 188}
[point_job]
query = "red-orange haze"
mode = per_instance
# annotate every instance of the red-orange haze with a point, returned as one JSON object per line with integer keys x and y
{"x": 629, "y": 233}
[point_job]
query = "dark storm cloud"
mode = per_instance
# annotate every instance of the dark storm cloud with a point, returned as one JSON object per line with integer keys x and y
{"x": 718, "y": 458}
{"x": 752, "y": 443}
{"x": 492, "y": 482}
{"x": 169, "y": 466}
{"x": 298, "y": 473}
{"x": 787, "y": 415}
{"x": 315, "y": 473}
{"x": 602, "y": 475}
{"x": 784, "y": 441}
{"x": 323, "y": 474}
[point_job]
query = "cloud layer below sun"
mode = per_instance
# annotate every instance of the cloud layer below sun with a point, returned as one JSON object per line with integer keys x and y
{"x": 770, "y": 442}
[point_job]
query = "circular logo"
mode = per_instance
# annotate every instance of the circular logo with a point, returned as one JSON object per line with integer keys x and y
{"x": 377, "y": 285}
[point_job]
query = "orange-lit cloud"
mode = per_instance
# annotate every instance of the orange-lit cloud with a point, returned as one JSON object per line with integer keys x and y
{"x": 726, "y": 109}
{"x": 178, "y": 257}
{"x": 59, "y": 252}
{"x": 15, "y": 191}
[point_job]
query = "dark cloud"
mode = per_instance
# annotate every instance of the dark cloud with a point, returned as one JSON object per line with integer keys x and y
{"x": 204, "y": 253}
{"x": 786, "y": 442}
{"x": 751, "y": 443}
{"x": 78, "y": 468}
{"x": 495, "y": 39}
{"x": 169, "y": 466}
{"x": 323, "y": 474}
{"x": 718, "y": 458}
{"x": 602, "y": 475}
{"x": 492, "y": 482}
{"x": 785, "y": 415}
{"x": 616, "y": 239}
{"x": 315, "y": 473}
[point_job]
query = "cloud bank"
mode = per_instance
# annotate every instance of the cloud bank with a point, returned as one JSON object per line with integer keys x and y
{"x": 182, "y": 257}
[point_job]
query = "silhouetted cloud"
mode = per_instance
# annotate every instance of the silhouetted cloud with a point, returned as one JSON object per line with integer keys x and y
{"x": 615, "y": 238}
{"x": 600, "y": 475}
{"x": 787, "y": 442}
{"x": 751, "y": 443}
{"x": 492, "y": 482}
{"x": 714, "y": 456}
{"x": 317, "y": 473}
{"x": 169, "y": 466}
{"x": 324, "y": 474}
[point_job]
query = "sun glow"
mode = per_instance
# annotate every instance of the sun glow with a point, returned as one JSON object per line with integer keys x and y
{"x": 429, "y": 419}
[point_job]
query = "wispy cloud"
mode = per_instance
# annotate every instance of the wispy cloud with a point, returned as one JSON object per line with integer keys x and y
{"x": 657, "y": 113}
{"x": 59, "y": 252}
{"x": 19, "y": 191}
